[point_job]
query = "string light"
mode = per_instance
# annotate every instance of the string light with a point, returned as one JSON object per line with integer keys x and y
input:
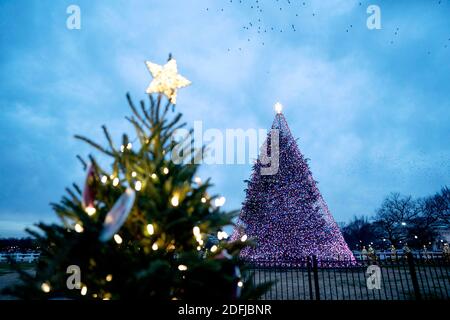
{"x": 138, "y": 186}
{"x": 182, "y": 267}
{"x": 155, "y": 246}
{"x": 90, "y": 211}
{"x": 115, "y": 181}
{"x": 134, "y": 174}
{"x": 196, "y": 231}
{"x": 175, "y": 200}
{"x": 222, "y": 235}
{"x": 83, "y": 290}
{"x": 240, "y": 284}
{"x": 122, "y": 148}
{"x": 104, "y": 179}
{"x": 203, "y": 200}
{"x": 79, "y": 228}
{"x": 244, "y": 238}
{"x": 118, "y": 239}
{"x": 150, "y": 229}
{"x": 198, "y": 180}
{"x": 45, "y": 287}
{"x": 278, "y": 107}
{"x": 129, "y": 146}
{"x": 213, "y": 248}
{"x": 166, "y": 170}
{"x": 199, "y": 248}
{"x": 154, "y": 176}
{"x": 109, "y": 278}
{"x": 218, "y": 202}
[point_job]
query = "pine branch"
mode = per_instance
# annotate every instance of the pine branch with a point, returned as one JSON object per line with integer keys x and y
{"x": 83, "y": 163}
{"x": 136, "y": 113}
{"x": 108, "y": 137}
{"x": 94, "y": 144}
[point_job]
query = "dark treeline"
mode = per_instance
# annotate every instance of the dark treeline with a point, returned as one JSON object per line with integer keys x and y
{"x": 402, "y": 219}
{"x": 16, "y": 244}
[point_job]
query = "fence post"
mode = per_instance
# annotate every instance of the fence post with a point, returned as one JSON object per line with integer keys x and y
{"x": 316, "y": 278}
{"x": 308, "y": 263}
{"x": 412, "y": 271}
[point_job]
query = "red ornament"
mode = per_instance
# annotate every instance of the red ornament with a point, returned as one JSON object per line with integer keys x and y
{"x": 89, "y": 191}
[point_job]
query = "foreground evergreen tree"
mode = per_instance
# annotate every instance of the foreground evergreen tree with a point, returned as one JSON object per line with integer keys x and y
{"x": 140, "y": 228}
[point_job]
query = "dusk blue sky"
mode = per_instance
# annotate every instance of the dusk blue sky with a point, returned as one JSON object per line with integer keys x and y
{"x": 371, "y": 108}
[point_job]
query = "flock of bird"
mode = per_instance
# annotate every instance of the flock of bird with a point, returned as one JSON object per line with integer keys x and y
{"x": 296, "y": 10}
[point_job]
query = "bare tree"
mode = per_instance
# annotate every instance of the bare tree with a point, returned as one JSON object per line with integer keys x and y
{"x": 394, "y": 216}
{"x": 359, "y": 232}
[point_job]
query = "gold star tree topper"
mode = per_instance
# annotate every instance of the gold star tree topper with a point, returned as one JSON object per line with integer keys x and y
{"x": 166, "y": 79}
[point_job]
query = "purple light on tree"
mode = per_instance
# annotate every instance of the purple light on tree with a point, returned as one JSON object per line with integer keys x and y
{"x": 285, "y": 213}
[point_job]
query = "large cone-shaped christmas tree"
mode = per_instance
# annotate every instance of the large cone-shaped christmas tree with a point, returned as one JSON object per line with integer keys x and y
{"x": 284, "y": 212}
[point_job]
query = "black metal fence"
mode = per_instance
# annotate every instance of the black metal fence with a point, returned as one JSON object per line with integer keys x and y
{"x": 403, "y": 277}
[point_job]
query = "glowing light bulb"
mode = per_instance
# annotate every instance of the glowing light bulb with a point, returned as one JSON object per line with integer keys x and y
{"x": 104, "y": 179}
{"x": 200, "y": 241}
{"x": 118, "y": 239}
{"x": 129, "y": 146}
{"x": 138, "y": 186}
{"x": 222, "y": 235}
{"x": 182, "y": 267}
{"x": 199, "y": 248}
{"x": 244, "y": 238}
{"x": 79, "y": 228}
{"x": 109, "y": 277}
{"x": 213, "y": 248}
{"x": 150, "y": 229}
{"x": 174, "y": 201}
{"x": 45, "y": 287}
{"x": 122, "y": 148}
{"x": 90, "y": 211}
{"x": 155, "y": 246}
{"x": 196, "y": 231}
{"x": 154, "y": 176}
{"x": 134, "y": 174}
{"x": 116, "y": 181}
{"x": 219, "y": 201}
{"x": 83, "y": 290}
{"x": 240, "y": 284}
{"x": 203, "y": 200}
{"x": 198, "y": 180}
{"x": 278, "y": 107}
{"x": 166, "y": 170}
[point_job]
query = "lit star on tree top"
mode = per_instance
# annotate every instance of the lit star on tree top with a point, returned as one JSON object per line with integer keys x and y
{"x": 166, "y": 79}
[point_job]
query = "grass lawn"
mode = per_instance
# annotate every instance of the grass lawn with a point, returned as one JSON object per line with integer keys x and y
{"x": 6, "y": 268}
